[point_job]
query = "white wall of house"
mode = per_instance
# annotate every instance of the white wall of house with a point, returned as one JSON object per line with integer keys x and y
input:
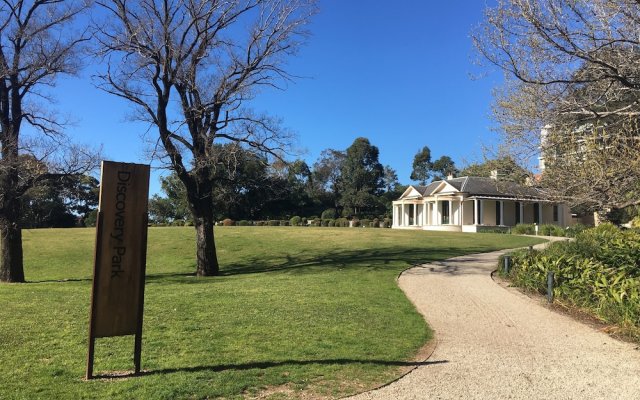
{"x": 488, "y": 212}
{"x": 509, "y": 213}
{"x": 467, "y": 213}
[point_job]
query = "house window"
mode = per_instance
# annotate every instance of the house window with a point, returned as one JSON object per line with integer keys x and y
{"x": 555, "y": 213}
{"x": 445, "y": 212}
{"x": 518, "y": 213}
{"x": 411, "y": 214}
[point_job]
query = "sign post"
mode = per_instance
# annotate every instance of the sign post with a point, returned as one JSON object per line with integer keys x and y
{"x": 117, "y": 298}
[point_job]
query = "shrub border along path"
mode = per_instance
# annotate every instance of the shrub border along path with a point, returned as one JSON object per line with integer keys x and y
{"x": 494, "y": 342}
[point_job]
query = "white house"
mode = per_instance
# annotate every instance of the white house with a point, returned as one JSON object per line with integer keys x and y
{"x": 471, "y": 204}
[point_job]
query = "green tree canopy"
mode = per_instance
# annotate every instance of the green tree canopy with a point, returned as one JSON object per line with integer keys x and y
{"x": 505, "y": 167}
{"x": 443, "y": 167}
{"x": 422, "y": 166}
{"x": 360, "y": 180}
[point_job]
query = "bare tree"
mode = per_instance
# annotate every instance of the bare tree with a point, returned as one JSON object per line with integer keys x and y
{"x": 38, "y": 42}
{"x": 190, "y": 67}
{"x": 573, "y": 75}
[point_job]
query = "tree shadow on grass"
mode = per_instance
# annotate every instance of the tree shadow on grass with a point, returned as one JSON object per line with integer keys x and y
{"x": 270, "y": 364}
{"x": 374, "y": 259}
{"x": 370, "y": 259}
{"x": 379, "y": 259}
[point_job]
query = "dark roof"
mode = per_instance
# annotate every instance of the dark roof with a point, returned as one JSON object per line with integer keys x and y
{"x": 480, "y": 186}
{"x": 457, "y": 183}
{"x": 477, "y": 186}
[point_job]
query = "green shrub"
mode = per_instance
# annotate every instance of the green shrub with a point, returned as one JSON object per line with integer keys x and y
{"x": 493, "y": 229}
{"x": 243, "y": 222}
{"x": 329, "y": 213}
{"x": 387, "y": 222}
{"x": 331, "y": 223}
{"x": 599, "y": 271}
{"x": 524, "y": 229}
{"x": 365, "y": 223}
{"x": 273, "y": 222}
{"x": 342, "y": 222}
{"x": 228, "y": 222}
{"x": 355, "y": 223}
{"x": 295, "y": 221}
{"x": 550, "y": 230}
{"x": 573, "y": 230}
{"x": 375, "y": 223}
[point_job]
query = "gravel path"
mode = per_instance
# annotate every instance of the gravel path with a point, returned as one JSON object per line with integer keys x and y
{"x": 495, "y": 343}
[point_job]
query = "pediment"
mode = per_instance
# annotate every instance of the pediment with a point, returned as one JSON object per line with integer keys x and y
{"x": 410, "y": 193}
{"x": 444, "y": 188}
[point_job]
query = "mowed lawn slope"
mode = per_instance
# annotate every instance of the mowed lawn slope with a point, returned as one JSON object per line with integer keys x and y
{"x": 313, "y": 310}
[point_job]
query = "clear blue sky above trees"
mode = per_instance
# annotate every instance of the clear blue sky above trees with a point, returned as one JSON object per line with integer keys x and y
{"x": 397, "y": 73}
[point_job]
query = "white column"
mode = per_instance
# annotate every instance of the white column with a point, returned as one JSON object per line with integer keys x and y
{"x": 402, "y": 218}
{"x": 407, "y": 220}
{"x": 415, "y": 214}
{"x": 501, "y": 213}
{"x": 426, "y": 213}
{"x": 437, "y": 220}
{"x": 451, "y": 212}
{"x": 434, "y": 220}
{"x": 476, "y": 212}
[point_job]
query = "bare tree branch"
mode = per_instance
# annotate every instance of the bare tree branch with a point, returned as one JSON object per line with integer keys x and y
{"x": 572, "y": 72}
{"x": 190, "y": 70}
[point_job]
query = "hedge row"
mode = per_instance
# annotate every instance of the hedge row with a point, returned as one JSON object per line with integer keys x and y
{"x": 299, "y": 221}
{"x": 548, "y": 230}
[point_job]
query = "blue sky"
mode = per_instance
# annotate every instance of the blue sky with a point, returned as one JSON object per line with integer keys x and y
{"x": 399, "y": 73}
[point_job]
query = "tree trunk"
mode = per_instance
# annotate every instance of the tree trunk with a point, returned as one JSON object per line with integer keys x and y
{"x": 205, "y": 244}
{"x": 11, "y": 269}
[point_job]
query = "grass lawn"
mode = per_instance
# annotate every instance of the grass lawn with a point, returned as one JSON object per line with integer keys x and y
{"x": 296, "y": 310}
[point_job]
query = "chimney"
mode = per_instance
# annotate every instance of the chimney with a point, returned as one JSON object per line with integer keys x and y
{"x": 494, "y": 174}
{"x": 450, "y": 176}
